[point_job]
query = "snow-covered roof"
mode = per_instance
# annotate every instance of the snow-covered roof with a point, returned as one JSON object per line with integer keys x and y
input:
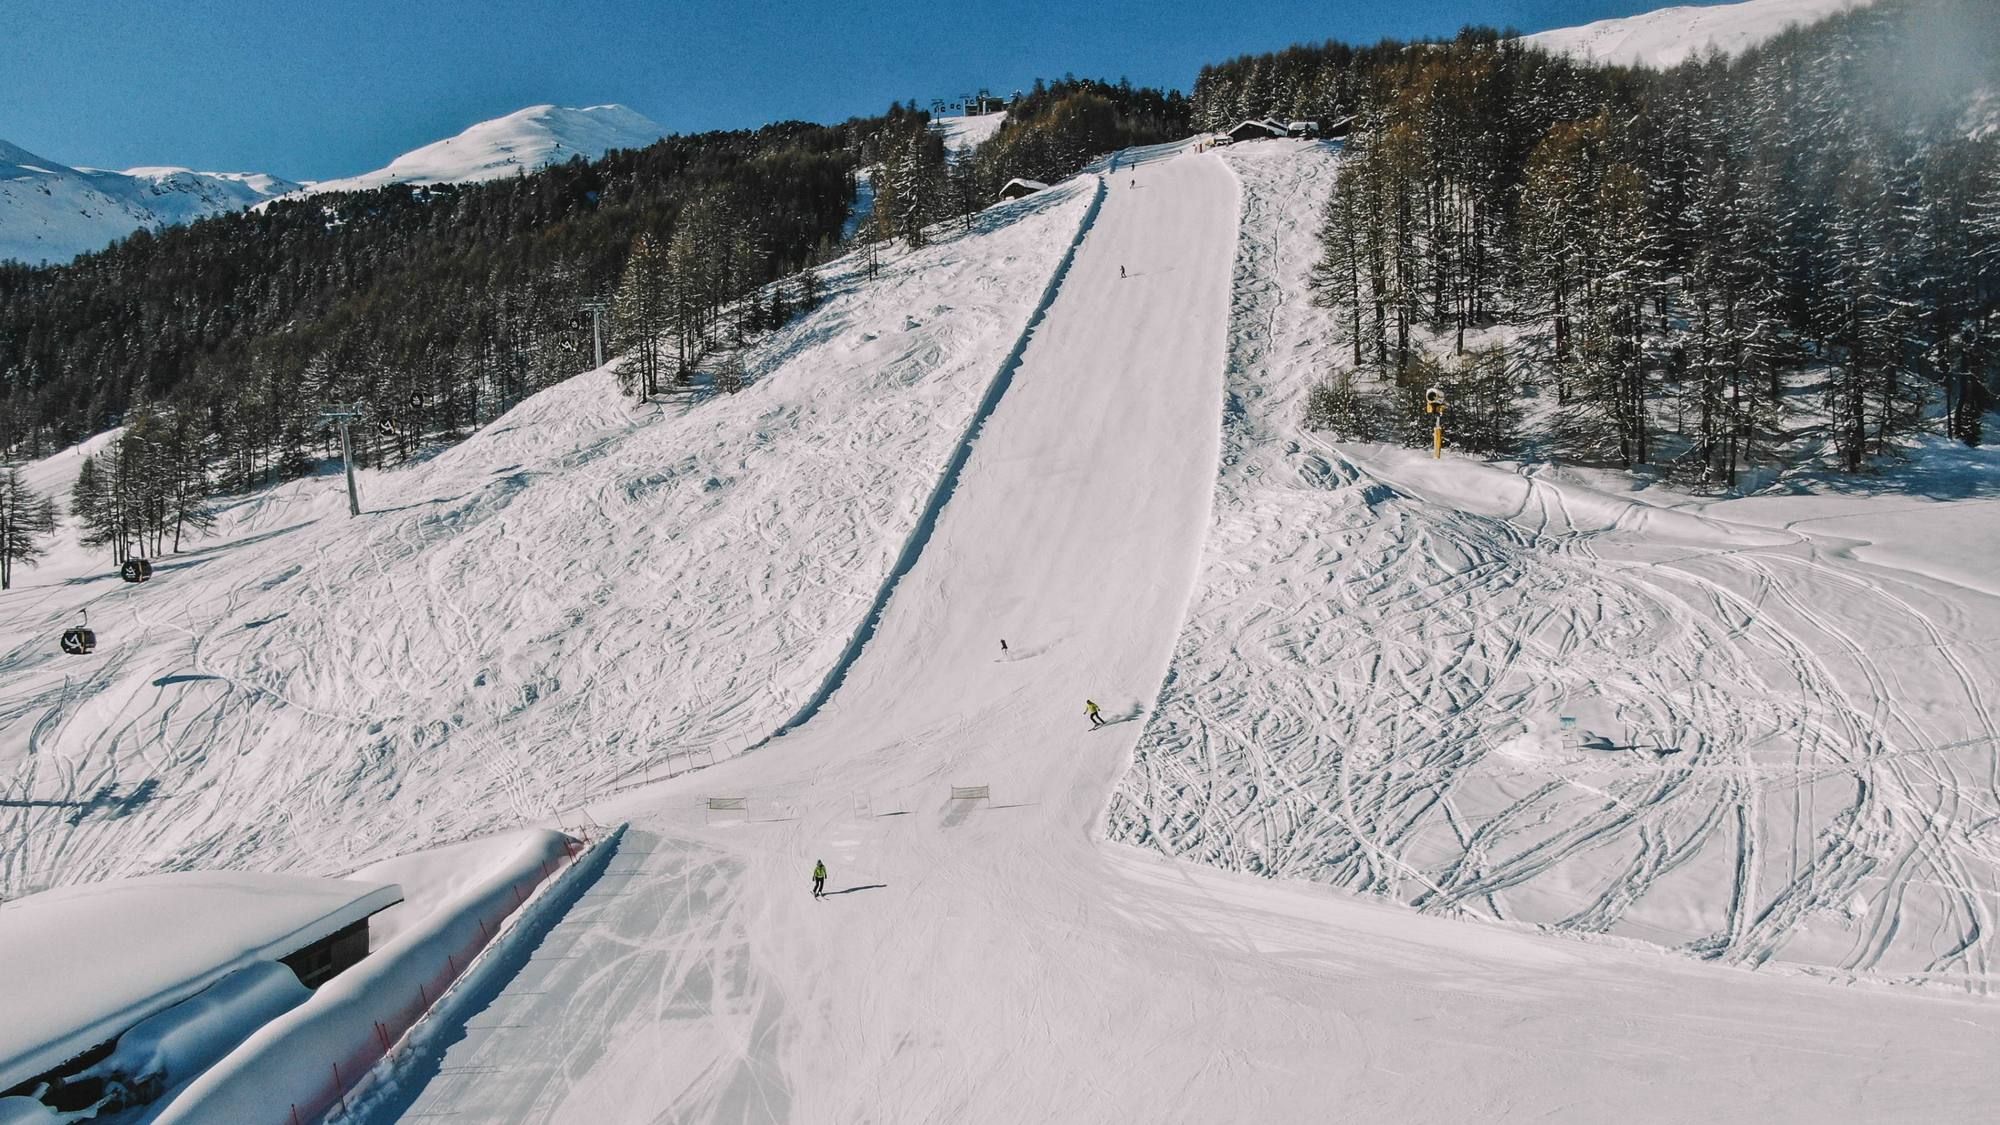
{"x": 81, "y": 964}
{"x": 1031, "y": 185}
{"x": 1264, "y": 124}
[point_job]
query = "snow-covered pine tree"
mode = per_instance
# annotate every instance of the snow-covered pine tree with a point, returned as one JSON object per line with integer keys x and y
{"x": 1855, "y": 310}
{"x": 97, "y": 505}
{"x": 1344, "y": 410}
{"x": 187, "y": 481}
{"x": 1343, "y": 261}
{"x": 641, "y": 317}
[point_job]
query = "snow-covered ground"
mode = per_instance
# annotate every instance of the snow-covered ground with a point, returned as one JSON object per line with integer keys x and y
{"x": 1667, "y": 37}
{"x": 1517, "y": 697}
{"x": 520, "y": 142}
{"x": 996, "y": 960}
{"x": 1341, "y": 666}
{"x": 963, "y": 134}
{"x": 87, "y": 962}
{"x": 576, "y": 597}
{"x": 468, "y": 895}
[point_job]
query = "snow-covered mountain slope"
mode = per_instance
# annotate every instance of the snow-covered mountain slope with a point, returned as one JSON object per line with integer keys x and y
{"x": 434, "y": 668}
{"x": 1075, "y": 431}
{"x": 520, "y": 142}
{"x": 51, "y": 213}
{"x": 992, "y": 959}
{"x": 1522, "y": 698}
{"x": 963, "y": 134}
{"x": 1670, "y": 36}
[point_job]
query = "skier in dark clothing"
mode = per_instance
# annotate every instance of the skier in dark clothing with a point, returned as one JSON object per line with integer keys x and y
{"x": 1090, "y": 708}
{"x": 819, "y": 878}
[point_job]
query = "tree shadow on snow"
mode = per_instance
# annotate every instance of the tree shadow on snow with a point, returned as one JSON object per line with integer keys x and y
{"x": 1606, "y": 746}
{"x": 183, "y": 678}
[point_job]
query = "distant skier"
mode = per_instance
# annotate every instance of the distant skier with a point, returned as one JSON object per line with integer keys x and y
{"x": 1090, "y": 708}
{"x": 1121, "y": 271}
{"x": 819, "y": 878}
{"x": 1003, "y": 646}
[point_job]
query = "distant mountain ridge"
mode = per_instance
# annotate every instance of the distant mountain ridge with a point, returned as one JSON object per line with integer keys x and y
{"x": 51, "y": 212}
{"x": 1666, "y": 37}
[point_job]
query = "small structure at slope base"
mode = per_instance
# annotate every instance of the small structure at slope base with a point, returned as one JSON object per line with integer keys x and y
{"x": 81, "y": 965}
{"x": 1260, "y": 129}
{"x": 1017, "y": 187}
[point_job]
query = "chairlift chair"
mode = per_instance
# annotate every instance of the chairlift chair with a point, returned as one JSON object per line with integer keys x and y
{"x": 79, "y": 640}
{"x": 136, "y": 570}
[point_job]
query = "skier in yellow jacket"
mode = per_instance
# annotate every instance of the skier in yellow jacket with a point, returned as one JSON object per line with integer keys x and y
{"x": 1090, "y": 708}
{"x": 819, "y": 878}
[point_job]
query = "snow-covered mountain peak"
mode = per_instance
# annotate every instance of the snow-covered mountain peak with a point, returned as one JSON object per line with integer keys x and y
{"x": 522, "y": 141}
{"x": 51, "y": 212}
{"x": 1670, "y": 36}
{"x": 17, "y": 161}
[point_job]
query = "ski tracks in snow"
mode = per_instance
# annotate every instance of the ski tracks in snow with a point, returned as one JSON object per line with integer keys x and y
{"x": 579, "y": 596}
{"x": 1771, "y": 753}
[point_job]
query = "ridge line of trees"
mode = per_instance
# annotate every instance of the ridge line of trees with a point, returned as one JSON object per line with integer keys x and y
{"x": 1672, "y": 250}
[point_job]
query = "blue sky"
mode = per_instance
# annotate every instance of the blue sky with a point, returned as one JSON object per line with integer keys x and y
{"x": 317, "y": 89}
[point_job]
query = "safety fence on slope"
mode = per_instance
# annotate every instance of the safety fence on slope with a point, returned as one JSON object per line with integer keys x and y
{"x": 343, "y": 1074}
{"x": 363, "y": 1033}
{"x": 390, "y": 1022}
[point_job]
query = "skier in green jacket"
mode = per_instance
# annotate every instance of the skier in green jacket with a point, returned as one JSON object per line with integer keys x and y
{"x": 1090, "y": 708}
{"x": 819, "y": 878}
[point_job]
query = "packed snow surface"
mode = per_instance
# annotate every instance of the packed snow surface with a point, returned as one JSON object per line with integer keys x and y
{"x": 83, "y": 963}
{"x": 520, "y": 142}
{"x": 1667, "y": 37}
{"x": 50, "y": 212}
{"x": 996, "y": 960}
{"x": 963, "y": 134}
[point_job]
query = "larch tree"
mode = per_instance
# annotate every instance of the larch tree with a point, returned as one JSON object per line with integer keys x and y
{"x": 26, "y": 519}
{"x": 639, "y": 318}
